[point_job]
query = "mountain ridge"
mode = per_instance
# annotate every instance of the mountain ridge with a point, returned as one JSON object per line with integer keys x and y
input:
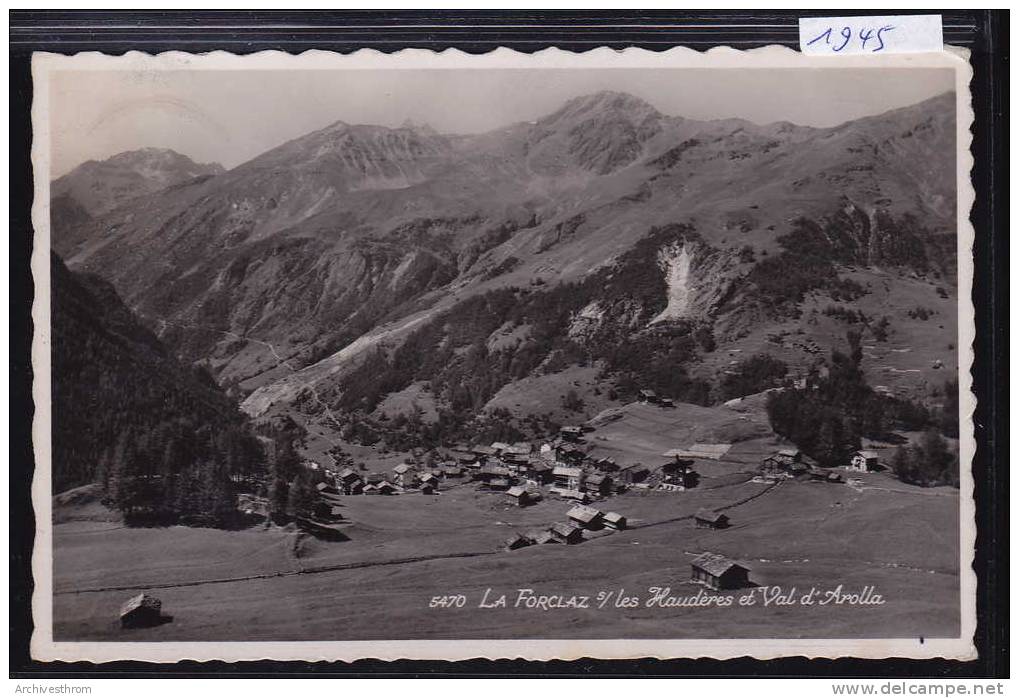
{"x": 326, "y": 240}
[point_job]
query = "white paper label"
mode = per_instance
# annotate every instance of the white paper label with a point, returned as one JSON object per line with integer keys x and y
{"x": 849, "y": 36}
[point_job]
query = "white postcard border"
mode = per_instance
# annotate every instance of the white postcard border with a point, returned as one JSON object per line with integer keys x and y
{"x": 43, "y": 646}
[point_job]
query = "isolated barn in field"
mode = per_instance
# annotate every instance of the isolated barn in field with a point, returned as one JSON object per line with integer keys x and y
{"x": 588, "y": 517}
{"x": 719, "y": 572}
{"x": 615, "y": 520}
{"x": 567, "y": 533}
{"x": 141, "y": 611}
{"x": 863, "y": 461}
{"x": 705, "y": 518}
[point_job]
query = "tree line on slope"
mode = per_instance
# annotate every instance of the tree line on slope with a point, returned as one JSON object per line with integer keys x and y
{"x": 163, "y": 440}
{"x": 828, "y": 417}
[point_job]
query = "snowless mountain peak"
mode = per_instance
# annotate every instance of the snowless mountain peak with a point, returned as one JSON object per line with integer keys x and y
{"x": 98, "y": 186}
{"x": 608, "y": 100}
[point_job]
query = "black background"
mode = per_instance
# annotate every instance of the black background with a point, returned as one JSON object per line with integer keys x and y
{"x": 985, "y": 33}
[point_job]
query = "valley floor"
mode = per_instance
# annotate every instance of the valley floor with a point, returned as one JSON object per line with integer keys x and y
{"x": 275, "y": 584}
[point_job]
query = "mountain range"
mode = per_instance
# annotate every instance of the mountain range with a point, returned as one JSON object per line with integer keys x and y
{"x": 603, "y": 226}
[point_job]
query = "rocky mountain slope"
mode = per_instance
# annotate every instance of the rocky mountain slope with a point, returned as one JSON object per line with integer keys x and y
{"x": 97, "y": 187}
{"x": 604, "y": 226}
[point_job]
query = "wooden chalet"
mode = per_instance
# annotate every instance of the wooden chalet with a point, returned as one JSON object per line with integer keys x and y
{"x": 648, "y": 396}
{"x": 781, "y": 460}
{"x": 680, "y": 475}
{"x": 569, "y": 454}
{"x": 567, "y": 477}
{"x": 864, "y": 461}
{"x": 539, "y": 471}
{"x": 499, "y": 483}
{"x": 488, "y": 473}
{"x": 452, "y": 471}
{"x": 404, "y": 475}
{"x": 523, "y": 496}
{"x": 546, "y": 537}
{"x": 705, "y": 518}
{"x": 719, "y": 572}
{"x": 634, "y": 474}
{"x": 141, "y": 611}
{"x": 586, "y": 517}
{"x": 614, "y": 520}
{"x": 325, "y": 488}
{"x": 571, "y": 433}
{"x": 599, "y": 484}
{"x": 516, "y": 542}
{"x": 567, "y": 533}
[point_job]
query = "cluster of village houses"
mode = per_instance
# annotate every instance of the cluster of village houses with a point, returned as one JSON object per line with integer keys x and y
{"x": 791, "y": 463}
{"x": 561, "y": 467}
{"x": 579, "y": 519}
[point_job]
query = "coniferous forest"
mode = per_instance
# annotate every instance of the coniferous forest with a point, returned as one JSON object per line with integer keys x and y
{"x": 164, "y": 441}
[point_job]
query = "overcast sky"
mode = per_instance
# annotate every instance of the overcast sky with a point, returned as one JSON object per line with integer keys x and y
{"x": 230, "y": 117}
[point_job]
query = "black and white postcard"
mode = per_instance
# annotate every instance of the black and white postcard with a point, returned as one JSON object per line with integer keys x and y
{"x": 426, "y": 355}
